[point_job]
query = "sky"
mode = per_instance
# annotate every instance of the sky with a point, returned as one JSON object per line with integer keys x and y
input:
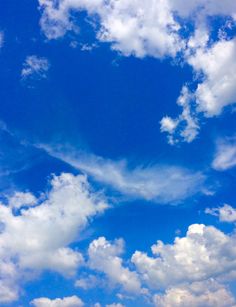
{"x": 118, "y": 153}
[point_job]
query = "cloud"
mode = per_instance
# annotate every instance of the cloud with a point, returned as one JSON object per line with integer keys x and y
{"x": 38, "y": 238}
{"x": 159, "y": 183}
{"x": 20, "y": 199}
{"x": 218, "y": 66}
{"x": 35, "y": 66}
{"x": 165, "y": 28}
{"x": 115, "y": 305}
{"x": 205, "y": 252}
{"x": 215, "y": 68}
{"x": 132, "y": 27}
{"x": 225, "y": 213}
{"x": 225, "y": 156}
{"x": 73, "y": 301}
{"x": 198, "y": 294}
{"x": 104, "y": 257}
{"x": 150, "y": 28}
{"x": 186, "y": 126}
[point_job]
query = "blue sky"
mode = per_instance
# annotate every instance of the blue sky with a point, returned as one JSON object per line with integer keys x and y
{"x": 118, "y": 153}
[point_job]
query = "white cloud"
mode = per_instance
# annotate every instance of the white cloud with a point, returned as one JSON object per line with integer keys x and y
{"x": 159, "y": 183}
{"x": 225, "y": 156}
{"x": 115, "y": 305}
{"x": 218, "y": 66}
{"x": 155, "y": 28}
{"x": 73, "y": 301}
{"x": 225, "y": 213}
{"x": 215, "y": 68}
{"x": 35, "y": 66}
{"x": 132, "y": 27}
{"x": 198, "y": 294}
{"x": 37, "y": 239}
{"x": 88, "y": 282}
{"x": 204, "y": 253}
{"x": 20, "y": 199}
{"x": 104, "y": 257}
{"x": 184, "y": 127}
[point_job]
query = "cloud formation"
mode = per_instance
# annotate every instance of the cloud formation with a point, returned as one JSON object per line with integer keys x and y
{"x": 104, "y": 257}
{"x": 225, "y": 155}
{"x": 35, "y": 67}
{"x": 73, "y": 301}
{"x": 226, "y": 213}
{"x": 198, "y": 294}
{"x": 205, "y": 252}
{"x": 164, "y": 28}
{"x": 37, "y": 238}
{"x": 159, "y": 183}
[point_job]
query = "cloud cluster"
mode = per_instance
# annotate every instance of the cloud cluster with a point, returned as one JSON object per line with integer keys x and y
{"x": 205, "y": 252}
{"x": 226, "y": 213}
{"x": 164, "y": 28}
{"x": 190, "y": 272}
{"x": 73, "y": 301}
{"x": 198, "y": 294}
{"x": 104, "y": 257}
{"x": 37, "y": 238}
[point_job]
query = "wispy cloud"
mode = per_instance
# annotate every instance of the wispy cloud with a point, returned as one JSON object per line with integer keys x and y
{"x": 225, "y": 155}
{"x": 158, "y": 183}
{"x": 35, "y": 66}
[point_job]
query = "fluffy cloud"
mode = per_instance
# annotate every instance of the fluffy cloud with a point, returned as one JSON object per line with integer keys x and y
{"x": 215, "y": 66}
{"x": 218, "y": 66}
{"x": 204, "y": 253}
{"x": 104, "y": 257}
{"x": 155, "y": 28}
{"x": 73, "y": 301}
{"x": 159, "y": 183}
{"x": 198, "y": 294}
{"x": 35, "y": 66}
{"x": 225, "y": 213}
{"x": 225, "y": 156}
{"x": 132, "y": 27}
{"x": 186, "y": 125}
{"x": 37, "y": 238}
{"x": 20, "y": 199}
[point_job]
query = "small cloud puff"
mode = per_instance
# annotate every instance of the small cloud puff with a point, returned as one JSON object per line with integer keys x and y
{"x": 35, "y": 66}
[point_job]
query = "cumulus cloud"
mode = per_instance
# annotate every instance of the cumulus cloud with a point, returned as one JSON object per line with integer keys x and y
{"x": 184, "y": 127}
{"x": 35, "y": 66}
{"x": 218, "y": 66}
{"x": 225, "y": 155}
{"x": 155, "y": 28}
{"x": 20, "y": 199}
{"x": 132, "y": 27}
{"x": 205, "y": 252}
{"x": 215, "y": 66}
{"x": 73, "y": 301}
{"x": 159, "y": 183}
{"x": 198, "y": 294}
{"x": 38, "y": 237}
{"x": 225, "y": 213}
{"x": 104, "y": 257}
